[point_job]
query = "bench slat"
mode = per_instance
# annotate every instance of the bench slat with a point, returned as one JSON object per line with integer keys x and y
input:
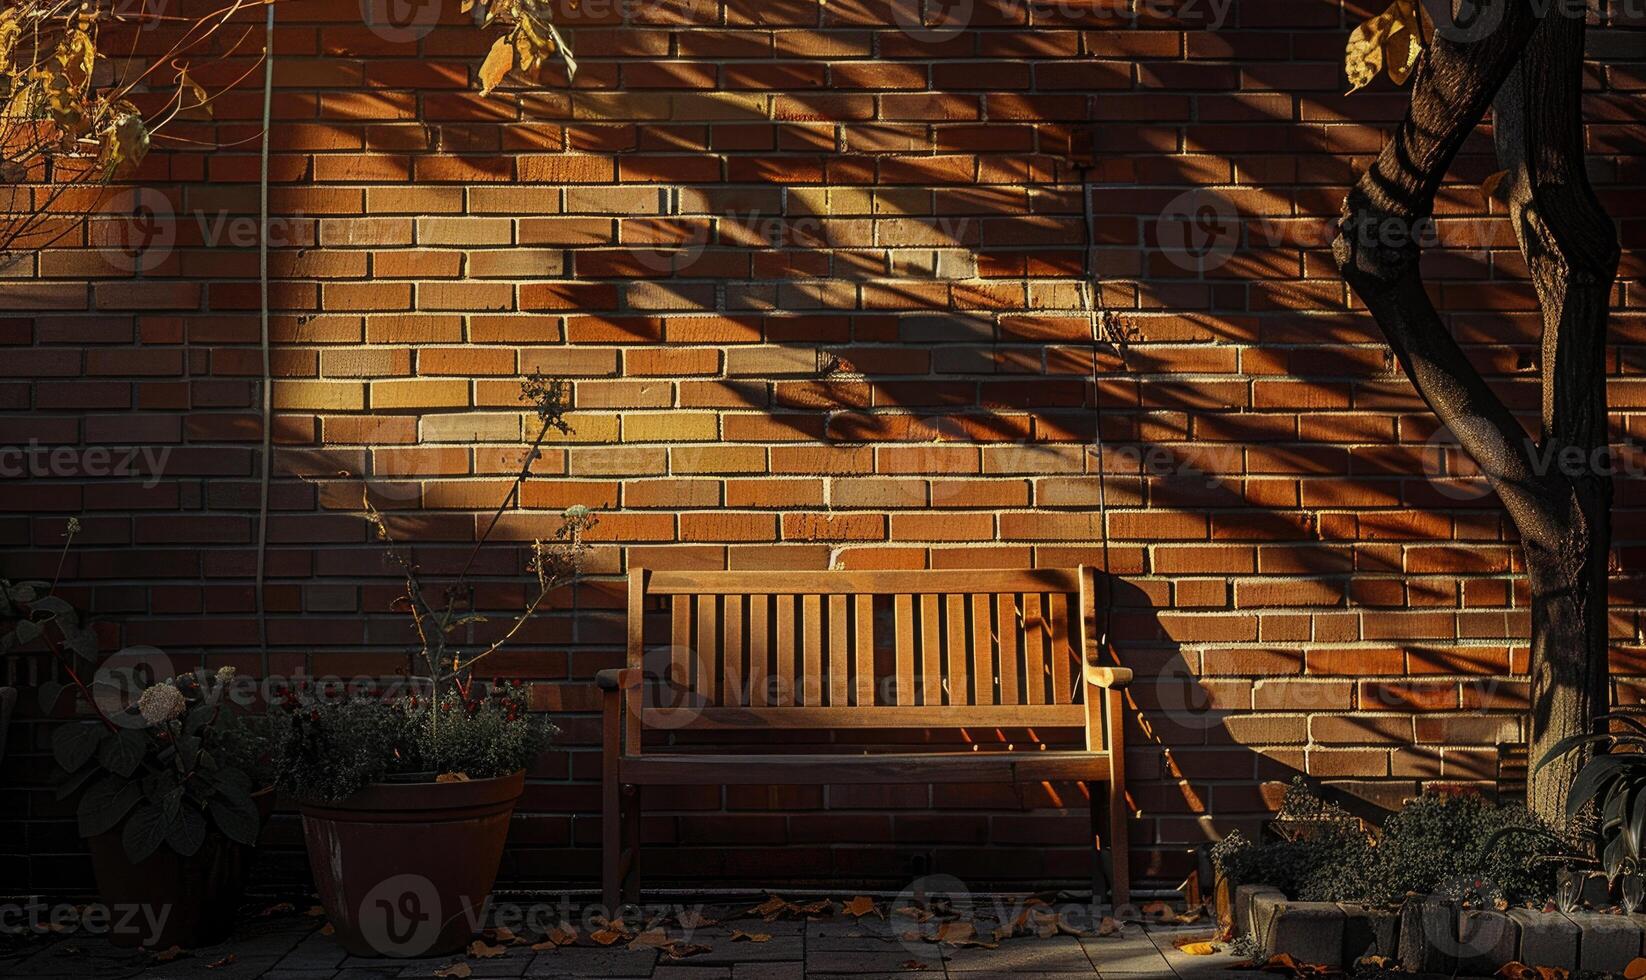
{"x": 931, "y": 652}
{"x": 680, "y": 643}
{"x": 1005, "y": 625}
{"x": 1061, "y": 649}
{"x": 708, "y": 644}
{"x": 810, "y": 682}
{"x": 929, "y": 767}
{"x": 982, "y": 650}
{"x": 903, "y": 607}
{"x": 785, "y": 650}
{"x": 959, "y": 689}
{"x": 877, "y": 716}
{"x": 865, "y": 650}
{"x": 759, "y": 650}
{"x": 732, "y": 670}
{"x": 938, "y": 582}
{"x": 1034, "y": 649}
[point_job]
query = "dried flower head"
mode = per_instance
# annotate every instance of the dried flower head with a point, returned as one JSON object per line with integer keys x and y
{"x": 161, "y": 703}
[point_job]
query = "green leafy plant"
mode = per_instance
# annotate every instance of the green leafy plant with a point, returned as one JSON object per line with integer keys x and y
{"x": 1462, "y": 846}
{"x": 1613, "y": 782}
{"x": 166, "y": 761}
{"x": 328, "y": 748}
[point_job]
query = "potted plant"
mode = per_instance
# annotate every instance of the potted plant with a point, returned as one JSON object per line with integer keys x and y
{"x": 406, "y": 795}
{"x": 166, "y": 776}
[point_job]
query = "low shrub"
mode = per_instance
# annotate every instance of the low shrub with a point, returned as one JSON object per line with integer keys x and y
{"x": 328, "y": 748}
{"x": 1460, "y": 846}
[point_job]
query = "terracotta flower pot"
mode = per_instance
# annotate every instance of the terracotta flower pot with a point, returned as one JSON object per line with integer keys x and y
{"x": 169, "y": 900}
{"x": 405, "y": 869}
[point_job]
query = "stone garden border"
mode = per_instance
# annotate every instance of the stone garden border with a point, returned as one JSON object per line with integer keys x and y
{"x": 1428, "y": 934}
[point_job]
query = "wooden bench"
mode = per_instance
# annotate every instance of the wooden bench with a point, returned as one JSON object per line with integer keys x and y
{"x": 988, "y": 651}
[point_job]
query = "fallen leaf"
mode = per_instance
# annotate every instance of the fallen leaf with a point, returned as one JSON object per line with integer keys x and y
{"x": 650, "y": 939}
{"x": 503, "y": 934}
{"x": 739, "y": 936}
{"x": 679, "y": 951}
{"x": 482, "y": 950}
{"x": 328, "y": 929}
{"x": 693, "y": 919}
{"x": 911, "y": 912}
{"x": 955, "y": 932}
{"x": 915, "y": 965}
{"x": 560, "y": 935}
{"x": 314, "y": 911}
{"x": 225, "y": 961}
{"x": 455, "y": 970}
{"x": 1196, "y": 947}
{"x": 168, "y": 955}
{"x": 452, "y": 777}
{"x": 858, "y": 907}
{"x": 1636, "y": 969}
{"x": 606, "y": 936}
{"x": 1108, "y": 926}
{"x": 772, "y": 906}
{"x": 278, "y": 908}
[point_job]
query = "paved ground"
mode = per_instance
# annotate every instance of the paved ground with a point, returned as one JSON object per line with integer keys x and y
{"x": 879, "y": 944}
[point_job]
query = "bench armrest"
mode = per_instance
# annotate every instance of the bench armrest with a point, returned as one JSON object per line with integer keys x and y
{"x": 619, "y": 678}
{"x": 1115, "y": 678}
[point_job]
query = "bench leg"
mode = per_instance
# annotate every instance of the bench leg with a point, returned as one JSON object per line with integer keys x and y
{"x": 631, "y": 847}
{"x": 1111, "y": 871}
{"x": 1120, "y": 852}
{"x": 611, "y": 844}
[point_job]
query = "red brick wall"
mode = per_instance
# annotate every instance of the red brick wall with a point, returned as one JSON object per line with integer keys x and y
{"x": 873, "y": 353}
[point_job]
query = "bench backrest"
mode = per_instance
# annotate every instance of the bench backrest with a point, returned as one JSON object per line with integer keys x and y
{"x": 866, "y": 649}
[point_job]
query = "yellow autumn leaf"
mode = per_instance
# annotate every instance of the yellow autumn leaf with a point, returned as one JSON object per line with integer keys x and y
{"x": 497, "y": 65}
{"x": 1391, "y": 40}
{"x": 1201, "y": 948}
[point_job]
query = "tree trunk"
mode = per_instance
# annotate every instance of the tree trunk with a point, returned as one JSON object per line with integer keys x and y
{"x": 1557, "y": 489}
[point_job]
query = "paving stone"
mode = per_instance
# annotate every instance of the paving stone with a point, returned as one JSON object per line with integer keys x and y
{"x": 1125, "y": 954}
{"x": 885, "y": 960}
{"x": 692, "y": 973}
{"x": 1606, "y": 942}
{"x": 1368, "y": 932}
{"x": 1311, "y": 932}
{"x": 580, "y": 962}
{"x": 724, "y": 951}
{"x": 1059, "y": 954}
{"x": 768, "y": 971}
{"x": 283, "y": 974}
{"x": 508, "y": 966}
{"x": 1546, "y": 938}
{"x": 1486, "y": 940}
